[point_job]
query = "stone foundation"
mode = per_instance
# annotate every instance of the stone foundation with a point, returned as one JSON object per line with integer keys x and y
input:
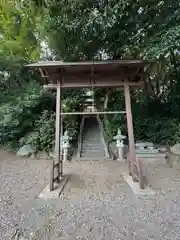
{"x": 149, "y": 153}
{"x": 173, "y": 159}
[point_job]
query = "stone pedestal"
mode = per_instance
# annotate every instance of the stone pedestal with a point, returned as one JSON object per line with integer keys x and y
{"x": 120, "y": 145}
{"x": 173, "y": 156}
{"x": 65, "y": 154}
{"x": 120, "y": 153}
{"x": 147, "y": 152}
{"x": 65, "y": 145}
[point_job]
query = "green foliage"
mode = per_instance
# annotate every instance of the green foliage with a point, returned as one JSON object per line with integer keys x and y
{"x": 85, "y": 29}
{"x": 72, "y": 100}
{"x": 18, "y": 41}
{"x": 158, "y": 130}
{"x": 17, "y": 116}
{"x": 111, "y": 126}
{"x": 43, "y": 135}
{"x": 88, "y": 29}
{"x": 27, "y": 112}
{"x": 116, "y": 29}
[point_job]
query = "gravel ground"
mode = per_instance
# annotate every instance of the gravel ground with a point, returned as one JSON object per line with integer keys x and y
{"x": 96, "y": 204}
{"x": 21, "y": 180}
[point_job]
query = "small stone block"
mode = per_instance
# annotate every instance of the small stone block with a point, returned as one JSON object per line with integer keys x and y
{"x": 147, "y": 151}
{"x": 151, "y": 148}
{"x": 151, "y": 156}
{"x": 162, "y": 149}
{"x": 141, "y": 148}
{"x": 144, "y": 144}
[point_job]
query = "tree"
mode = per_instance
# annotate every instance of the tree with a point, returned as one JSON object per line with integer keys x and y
{"x": 93, "y": 29}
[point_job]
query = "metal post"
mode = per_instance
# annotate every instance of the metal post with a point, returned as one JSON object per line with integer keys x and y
{"x": 132, "y": 151}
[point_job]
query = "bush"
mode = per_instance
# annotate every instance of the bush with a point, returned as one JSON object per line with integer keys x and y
{"x": 158, "y": 130}
{"x": 18, "y": 116}
{"x": 43, "y": 135}
{"x": 151, "y": 119}
{"x": 111, "y": 125}
{"x": 28, "y": 117}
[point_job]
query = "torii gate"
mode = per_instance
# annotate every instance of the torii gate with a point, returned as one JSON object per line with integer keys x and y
{"x": 101, "y": 74}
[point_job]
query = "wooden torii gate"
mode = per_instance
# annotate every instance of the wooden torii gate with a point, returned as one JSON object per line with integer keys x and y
{"x": 101, "y": 74}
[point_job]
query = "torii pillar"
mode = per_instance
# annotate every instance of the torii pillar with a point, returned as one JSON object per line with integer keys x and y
{"x": 132, "y": 151}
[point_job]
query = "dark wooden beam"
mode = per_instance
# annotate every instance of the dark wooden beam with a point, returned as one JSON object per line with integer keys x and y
{"x": 58, "y": 125}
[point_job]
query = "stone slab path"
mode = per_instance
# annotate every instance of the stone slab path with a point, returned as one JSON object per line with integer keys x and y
{"x": 97, "y": 203}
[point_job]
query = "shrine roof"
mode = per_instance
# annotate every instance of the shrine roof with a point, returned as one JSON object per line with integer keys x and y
{"x": 92, "y": 73}
{"x": 87, "y": 64}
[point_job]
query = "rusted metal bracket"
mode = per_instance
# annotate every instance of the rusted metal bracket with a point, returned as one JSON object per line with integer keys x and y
{"x": 53, "y": 178}
{"x": 136, "y": 171}
{"x": 61, "y": 180}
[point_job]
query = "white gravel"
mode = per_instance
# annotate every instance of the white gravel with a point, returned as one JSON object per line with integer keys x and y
{"x": 97, "y": 203}
{"x": 21, "y": 180}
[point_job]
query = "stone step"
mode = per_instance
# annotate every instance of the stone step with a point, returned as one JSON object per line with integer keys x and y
{"x": 91, "y": 137}
{"x": 155, "y": 151}
{"x": 93, "y": 131}
{"x": 93, "y": 155}
{"x": 148, "y": 155}
{"x": 93, "y": 159}
{"x": 94, "y": 142}
{"x": 90, "y": 126}
{"x": 92, "y": 152}
{"x": 95, "y": 146}
{"x": 92, "y": 145}
{"x": 89, "y": 129}
{"x": 86, "y": 140}
{"x": 100, "y": 149}
{"x": 92, "y": 149}
{"x": 160, "y": 157}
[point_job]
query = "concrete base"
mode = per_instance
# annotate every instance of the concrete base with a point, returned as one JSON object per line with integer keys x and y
{"x": 47, "y": 194}
{"x": 136, "y": 188}
{"x": 120, "y": 160}
{"x": 173, "y": 159}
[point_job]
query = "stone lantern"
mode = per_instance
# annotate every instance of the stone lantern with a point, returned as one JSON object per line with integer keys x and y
{"x": 120, "y": 144}
{"x": 65, "y": 145}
